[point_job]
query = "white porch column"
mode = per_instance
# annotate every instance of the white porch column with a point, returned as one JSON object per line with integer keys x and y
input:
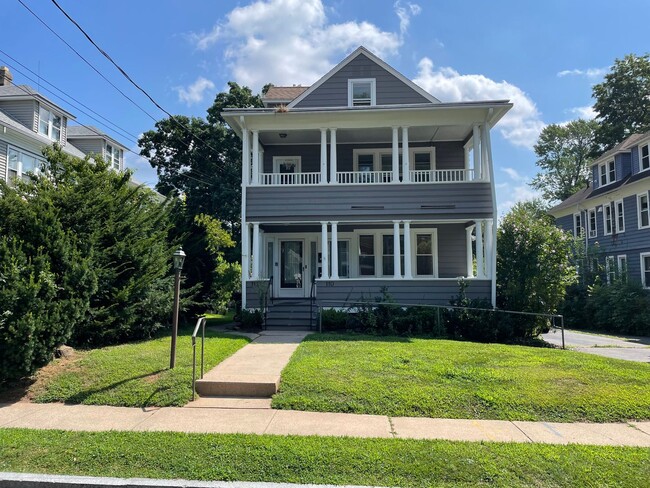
{"x": 324, "y": 261}
{"x": 476, "y": 152}
{"x": 256, "y": 250}
{"x": 470, "y": 261}
{"x": 480, "y": 269}
{"x": 245, "y": 252}
{"x": 256, "y": 158}
{"x": 484, "y": 153}
{"x": 408, "y": 274}
{"x": 395, "y": 155}
{"x": 333, "y": 164}
{"x": 488, "y": 248}
{"x": 246, "y": 157}
{"x": 323, "y": 156}
{"x": 397, "y": 265}
{"x": 406, "y": 164}
{"x": 335, "y": 251}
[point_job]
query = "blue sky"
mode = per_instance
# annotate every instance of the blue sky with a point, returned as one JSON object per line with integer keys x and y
{"x": 544, "y": 56}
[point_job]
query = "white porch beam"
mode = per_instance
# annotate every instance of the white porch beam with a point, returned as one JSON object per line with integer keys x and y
{"x": 323, "y": 156}
{"x": 408, "y": 274}
{"x": 256, "y": 250}
{"x": 397, "y": 265}
{"x": 395, "y": 155}
{"x": 335, "y": 251}
{"x": 470, "y": 261}
{"x": 476, "y": 152}
{"x": 324, "y": 261}
{"x": 480, "y": 269}
{"x": 256, "y": 158}
{"x": 333, "y": 163}
{"x": 406, "y": 164}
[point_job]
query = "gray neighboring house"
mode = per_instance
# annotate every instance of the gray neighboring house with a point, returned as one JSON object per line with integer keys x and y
{"x": 613, "y": 212}
{"x": 29, "y": 122}
{"x": 341, "y": 177}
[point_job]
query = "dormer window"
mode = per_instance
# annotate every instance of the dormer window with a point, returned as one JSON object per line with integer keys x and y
{"x": 49, "y": 124}
{"x": 362, "y": 92}
{"x": 113, "y": 156}
{"x": 607, "y": 172}
{"x": 644, "y": 160}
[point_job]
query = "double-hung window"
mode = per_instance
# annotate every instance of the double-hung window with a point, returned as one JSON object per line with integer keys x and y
{"x": 607, "y": 173}
{"x": 424, "y": 254}
{"x": 610, "y": 269}
{"x": 643, "y": 210}
{"x": 607, "y": 219}
{"x": 622, "y": 266}
{"x": 113, "y": 156}
{"x": 644, "y": 157}
{"x": 388, "y": 254}
{"x": 645, "y": 269}
{"x": 367, "y": 255}
{"x": 22, "y": 163}
{"x": 591, "y": 222}
{"x": 362, "y": 92}
{"x": 578, "y": 229}
{"x": 49, "y": 124}
{"x": 620, "y": 216}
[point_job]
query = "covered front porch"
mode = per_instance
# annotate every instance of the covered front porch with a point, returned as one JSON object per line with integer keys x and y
{"x": 343, "y": 261}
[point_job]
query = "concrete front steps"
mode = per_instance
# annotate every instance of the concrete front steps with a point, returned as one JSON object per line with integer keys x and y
{"x": 291, "y": 313}
{"x": 253, "y": 371}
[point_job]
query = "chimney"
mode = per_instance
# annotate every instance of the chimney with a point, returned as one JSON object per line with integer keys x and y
{"x": 5, "y": 76}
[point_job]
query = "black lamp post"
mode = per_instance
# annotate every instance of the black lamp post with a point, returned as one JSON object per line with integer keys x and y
{"x": 179, "y": 258}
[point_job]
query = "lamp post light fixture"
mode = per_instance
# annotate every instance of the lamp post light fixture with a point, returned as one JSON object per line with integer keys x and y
{"x": 178, "y": 259}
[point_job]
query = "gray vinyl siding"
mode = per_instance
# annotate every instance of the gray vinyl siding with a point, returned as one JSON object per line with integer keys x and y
{"x": 635, "y": 161}
{"x": 254, "y": 291}
{"x": 24, "y": 111}
{"x": 334, "y": 92}
{"x": 354, "y": 202}
{"x": 3, "y": 160}
{"x": 566, "y": 223}
{"x": 64, "y": 131}
{"x": 623, "y": 166}
{"x": 87, "y": 146}
{"x": 452, "y": 251}
{"x": 448, "y": 155}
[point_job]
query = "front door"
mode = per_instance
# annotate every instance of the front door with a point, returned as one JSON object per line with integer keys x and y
{"x": 292, "y": 268}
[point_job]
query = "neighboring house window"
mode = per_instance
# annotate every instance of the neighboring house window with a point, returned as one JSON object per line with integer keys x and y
{"x": 645, "y": 269}
{"x": 424, "y": 254}
{"x": 610, "y": 269}
{"x": 620, "y": 216}
{"x": 622, "y": 266}
{"x": 593, "y": 229}
{"x": 643, "y": 211}
{"x": 388, "y": 254}
{"x": 607, "y": 173}
{"x": 607, "y": 219}
{"x": 22, "y": 163}
{"x": 367, "y": 255}
{"x": 644, "y": 160}
{"x": 578, "y": 229}
{"x": 362, "y": 92}
{"x": 113, "y": 156}
{"x": 49, "y": 124}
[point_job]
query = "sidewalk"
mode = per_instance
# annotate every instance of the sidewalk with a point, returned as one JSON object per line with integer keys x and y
{"x": 630, "y": 348}
{"x": 289, "y": 422}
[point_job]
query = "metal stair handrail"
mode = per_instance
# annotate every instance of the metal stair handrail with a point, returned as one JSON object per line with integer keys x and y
{"x": 199, "y": 324}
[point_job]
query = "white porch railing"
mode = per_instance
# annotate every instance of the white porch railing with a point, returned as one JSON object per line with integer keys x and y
{"x": 441, "y": 175}
{"x": 289, "y": 178}
{"x": 364, "y": 176}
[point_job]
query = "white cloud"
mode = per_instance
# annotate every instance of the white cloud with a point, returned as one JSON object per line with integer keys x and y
{"x": 404, "y": 13}
{"x": 289, "y": 42}
{"x": 513, "y": 174}
{"x": 520, "y": 126}
{"x": 587, "y": 73}
{"x": 513, "y": 195}
{"x": 586, "y": 112}
{"x": 195, "y": 92}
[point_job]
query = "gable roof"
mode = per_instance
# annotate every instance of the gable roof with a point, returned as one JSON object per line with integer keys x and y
{"x": 283, "y": 93}
{"x": 26, "y": 92}
{"x": 90, "y": 132}
{"x": 356, "y": 53}
{"x": 621, "y": 147}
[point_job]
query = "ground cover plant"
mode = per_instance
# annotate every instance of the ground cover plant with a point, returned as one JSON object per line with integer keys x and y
{"x": 132, "y": 375}
{"x": 454, "y": 379}
{"x": 332, "y": 460}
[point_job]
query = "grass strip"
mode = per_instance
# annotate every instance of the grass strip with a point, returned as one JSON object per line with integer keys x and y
{"x": 384, "y": 462}
{"x": 399, "y": 376}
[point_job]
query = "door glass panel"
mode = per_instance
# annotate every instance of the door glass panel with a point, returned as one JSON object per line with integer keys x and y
{"x": 291, "y": 264}
{"x": 422, "y": 161}
{"x": 366, "y": 162}
{"x": 367, "y": 255}
{"x": 288, "y": 166}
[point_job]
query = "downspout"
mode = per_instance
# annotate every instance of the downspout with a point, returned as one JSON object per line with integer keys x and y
{"x": 494, "y": 209}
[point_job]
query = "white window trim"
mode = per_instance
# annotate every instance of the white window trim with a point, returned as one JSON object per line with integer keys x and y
{"x": 434, "y": 250}
{"x": 277, "y": 159}
{"x": 576, "y": 233}
{"x": 593, "y": 233}
{"x": 611, "y": 216}
{"x": 373, "y": 91}
{"x": 49, "y": 123}
{"x": 641, "y": 256}
{"x": 377, "y": 153}
{"x": 608, "y": 180}
{"x": 20, "y": 163}
{"x": 641, "y": 168}
{"x": 638, "y": 210}
{"x": 616, "y": 216}
{"x": 610, "y": 267}
{"x": 110, "y": 158}
{"x": 620, "y": 267}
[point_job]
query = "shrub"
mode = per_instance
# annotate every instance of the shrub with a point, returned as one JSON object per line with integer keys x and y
{"x": 334, "y": 320}
{"x": 621, "y": 307}
{"x": 252, "y": 319}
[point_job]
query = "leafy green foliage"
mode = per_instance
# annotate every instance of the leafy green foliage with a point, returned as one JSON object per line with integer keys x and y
{"x": 252, "y": 319}
{"x": 623, "y": 100}
{"x": 564, "y": 153}
{"x": 621, "y": 307}
{"x": 454, "y": 379}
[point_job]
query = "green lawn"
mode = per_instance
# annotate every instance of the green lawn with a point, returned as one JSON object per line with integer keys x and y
{"x": 133, "y": 375}
{"x": 451, "y": 379}
{"x": 384, "y": 462}
{"x": 219, "y": 319}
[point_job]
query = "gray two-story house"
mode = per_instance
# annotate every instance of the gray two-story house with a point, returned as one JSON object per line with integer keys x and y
{"x": 364, "y": 181}
{"x": 612, "y": 215}
{"x": 29, "y": 121}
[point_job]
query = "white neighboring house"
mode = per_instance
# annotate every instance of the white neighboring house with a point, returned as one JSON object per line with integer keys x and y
{"x": 29, "y": 122}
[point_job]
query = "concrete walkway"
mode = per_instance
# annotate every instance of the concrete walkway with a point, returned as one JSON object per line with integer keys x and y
{"x": 630, "y": 348}
{"x": 289, "y": 422}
